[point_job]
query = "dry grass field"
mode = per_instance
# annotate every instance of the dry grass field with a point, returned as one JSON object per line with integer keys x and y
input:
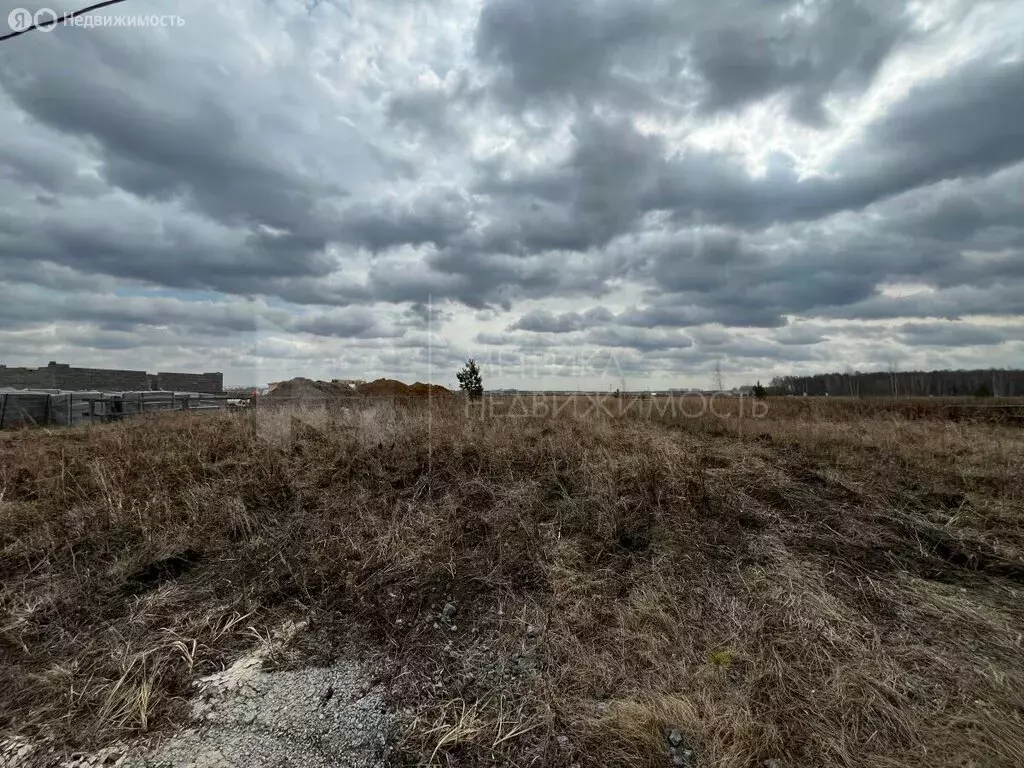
{"x": 835, "y": 584}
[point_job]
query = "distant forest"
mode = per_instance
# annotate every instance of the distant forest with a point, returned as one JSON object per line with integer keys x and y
{"x": 987, "y": 383}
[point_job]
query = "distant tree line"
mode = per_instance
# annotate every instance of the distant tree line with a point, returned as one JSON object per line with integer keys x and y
{"x": 893, "y": 383}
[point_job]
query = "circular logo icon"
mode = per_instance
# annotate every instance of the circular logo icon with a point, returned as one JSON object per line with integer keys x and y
{"x": 19, "y": 20}
{"x": 46, "y": 19}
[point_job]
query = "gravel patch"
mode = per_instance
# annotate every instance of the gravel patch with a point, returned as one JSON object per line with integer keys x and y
{"x": 318, "y": 718}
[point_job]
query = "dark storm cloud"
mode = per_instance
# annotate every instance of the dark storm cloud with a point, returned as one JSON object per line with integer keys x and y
{"x": 609, "y": 350}
{"x": 723, "y": 55}
{"x": 424, "y": 316}
{"x": 969, "y": 125}
{"x": 722, "y": 277}
{"x": 32, "y": 162}
{"x": 595, "y": 195}
{"x": 168, "y": 250}
{"x": 831, "y": 45}
{"x": 357, "y": 323}
{"x": 739, "y": 347}
{"x": 48, "y": 275}
{"x": 816, "y": 268}
{"x": 435, "y": 216}
{"x": 161, "y": 136}
{"x": 482, "y": 279}
{"x": 642, "y": 339}
{"x": 695, "y": 342}
{"x": 560, "y": 49}
{"x": 955, "y": 217}
{"x": 822, "y": 274}
{"x": 23, "y": 306}
{"x": 179, "y": 136}
{"x": 954, "y": 303}
{"x": 680, "y": 310}
{"x": 435, "y": 113}
{"x": 425, "y": 110}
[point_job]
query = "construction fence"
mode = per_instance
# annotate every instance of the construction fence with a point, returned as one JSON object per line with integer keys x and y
{"x": 19, "y": 408}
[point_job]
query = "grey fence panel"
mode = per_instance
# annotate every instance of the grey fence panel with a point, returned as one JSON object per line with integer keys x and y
{"x": 61, "y": 410}
{"x": 53, "y": 407}
{"x": 87, "y": 407}
{"x": 23, "y": 408}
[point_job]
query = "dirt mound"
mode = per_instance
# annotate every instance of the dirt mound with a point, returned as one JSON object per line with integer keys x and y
{"x": 419, "y": 389}
{"x": 384, "y": 387}
{"x": 302, "y": 389}
{"x": 307, "y": 389}
{"x": 392, "y": 388}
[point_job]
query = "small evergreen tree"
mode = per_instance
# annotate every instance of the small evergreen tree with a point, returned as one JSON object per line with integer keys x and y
{"x": 759, "y": 392}
{"x": 470, "y": 380}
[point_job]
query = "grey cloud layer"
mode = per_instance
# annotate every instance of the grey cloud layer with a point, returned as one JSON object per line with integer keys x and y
{"x": 346, "y": 164}
{"x": 661, "y": 54}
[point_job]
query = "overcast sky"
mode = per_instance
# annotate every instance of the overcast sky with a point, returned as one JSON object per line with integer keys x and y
{"x": 574, "y": 192}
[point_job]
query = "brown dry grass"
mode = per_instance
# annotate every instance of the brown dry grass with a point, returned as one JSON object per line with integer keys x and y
{"x": 821, "y": 592}
{"x": 828, "y": 409}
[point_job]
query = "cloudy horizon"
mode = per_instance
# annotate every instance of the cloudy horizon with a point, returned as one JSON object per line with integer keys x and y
{"x": 354, "y": 189}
